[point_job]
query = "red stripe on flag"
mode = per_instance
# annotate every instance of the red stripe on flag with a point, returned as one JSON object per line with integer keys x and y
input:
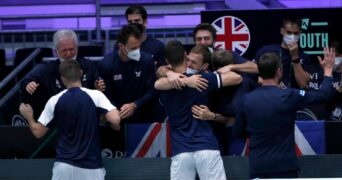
{"x": 247, "y": 147}
{"x": 168, "y": 139}
{"x": 146, "y": 146}
{"x": 298, "y": 152}
{"x": 239, "y": 27}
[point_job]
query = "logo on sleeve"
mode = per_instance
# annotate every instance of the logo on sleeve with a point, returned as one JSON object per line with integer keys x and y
{"x": 302, "y": 92}
{"x": 84, "y": 78}
{"x": 117, "y": 77}
{"x": 58, "y": 84}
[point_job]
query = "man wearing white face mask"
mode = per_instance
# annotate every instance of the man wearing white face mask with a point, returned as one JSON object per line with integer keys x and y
{"x": 337, "y": 47}
{"x": 194, "y": 146}
{"x": 45, "y": 81}
{"x": 129, "y": 75}
{"x": 332, "y": 110}
{"x": 295, "y": 62}
{"x": 205, "y": 34}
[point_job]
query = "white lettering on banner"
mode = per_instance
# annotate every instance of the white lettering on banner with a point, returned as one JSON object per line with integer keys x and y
{"x": 119, "y": 154}
{"x": 314, "y": 76}
{"x": 314, "y": 40}
{"x": 313, "y": 85}
{"x": 107, "y": 153}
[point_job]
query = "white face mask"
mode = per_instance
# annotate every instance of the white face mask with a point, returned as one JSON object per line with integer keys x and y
{"x": 211, "y": 49}
{"x": 288, "y": 39}
{"x": 134, "y": 55}
{"x": 191, "y": 71}
{"x": 338, "y": 63}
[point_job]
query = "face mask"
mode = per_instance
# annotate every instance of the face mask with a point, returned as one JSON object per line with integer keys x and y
{"x": 134, "y": 55}
{"x": 211, "y": 49}
{"x": 288, "y": 39}
{"x": 338, "y": 63}
{"x": 191, "y": 71}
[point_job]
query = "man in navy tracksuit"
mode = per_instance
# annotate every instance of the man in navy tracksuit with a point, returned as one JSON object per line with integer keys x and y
{"x": 129, "y": 75}
{"x": 226, "y": 101}
{"x": 295, "y": 63}
{"x": 154, "y": 47}
{"x": 331, "y": 110}
{"x": 268, "y": 118}
{"x": 194, "y": 146}
{"x": 44, "y": 80}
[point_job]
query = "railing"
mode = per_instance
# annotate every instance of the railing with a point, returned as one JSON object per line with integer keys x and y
{"x": 13, "y": 74}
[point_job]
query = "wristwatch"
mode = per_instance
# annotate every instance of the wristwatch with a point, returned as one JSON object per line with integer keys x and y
{"x": 297, "y": 60}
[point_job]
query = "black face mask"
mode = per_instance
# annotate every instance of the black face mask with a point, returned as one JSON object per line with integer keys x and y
{"x": 141, "y": 27}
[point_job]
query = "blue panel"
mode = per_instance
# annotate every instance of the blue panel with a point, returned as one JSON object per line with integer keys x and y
{"x": 40, "y": 2}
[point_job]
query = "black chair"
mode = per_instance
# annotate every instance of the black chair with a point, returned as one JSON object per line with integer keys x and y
{"x": 23, "y": 53}
{"x": 2, "y": 58}
{"x": 88, "y": 51}
{"x": 3, "y": 68}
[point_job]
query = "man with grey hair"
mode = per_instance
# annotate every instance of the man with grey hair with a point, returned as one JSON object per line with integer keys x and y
{"x": 65, "y": 43}
{"x": 44, "y": 80}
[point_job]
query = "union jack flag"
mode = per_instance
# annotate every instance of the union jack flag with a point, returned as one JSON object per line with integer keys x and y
{"x": 309, "y": 139}
{"x": 149, "y": 140}
{"x": 232, "y": 34}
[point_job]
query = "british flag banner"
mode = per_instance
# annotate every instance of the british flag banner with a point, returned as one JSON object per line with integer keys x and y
{"x": 309, "y": 139}
{"x": 148, "y": 140}
{"x": 153, "y": 140}
{"x": 232, "y": 34}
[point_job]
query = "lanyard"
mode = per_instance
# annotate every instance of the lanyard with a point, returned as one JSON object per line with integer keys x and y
{"x": 290, "y": 72}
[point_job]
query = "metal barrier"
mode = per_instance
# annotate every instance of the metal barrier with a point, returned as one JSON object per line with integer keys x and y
{"x": 13, "y": 74}
{"x": 312, "y": 167}
{"x": 92, "y": 58}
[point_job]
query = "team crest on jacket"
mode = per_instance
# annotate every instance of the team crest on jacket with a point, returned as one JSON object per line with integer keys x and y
{"x": 232, "y": 34}
{"x": 84, "y": 78}
{"x": 137, "y": 73}
{"x": 58, "y": 84}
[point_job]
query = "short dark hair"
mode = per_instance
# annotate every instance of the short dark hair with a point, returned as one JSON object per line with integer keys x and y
{"x": 204, "y": 26}
{"x": 129, "y": 30}
{"x": 174, "y": 52}
{"x": 202, "y": 50}
{"x": 70, "y": 70}
{"x": 337, "y": 46}
{"x": 291, "y": 20}
{"x": 136, "y": 9}
{"x": 268, "y": 65}
{"x": 221, "y": 57}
